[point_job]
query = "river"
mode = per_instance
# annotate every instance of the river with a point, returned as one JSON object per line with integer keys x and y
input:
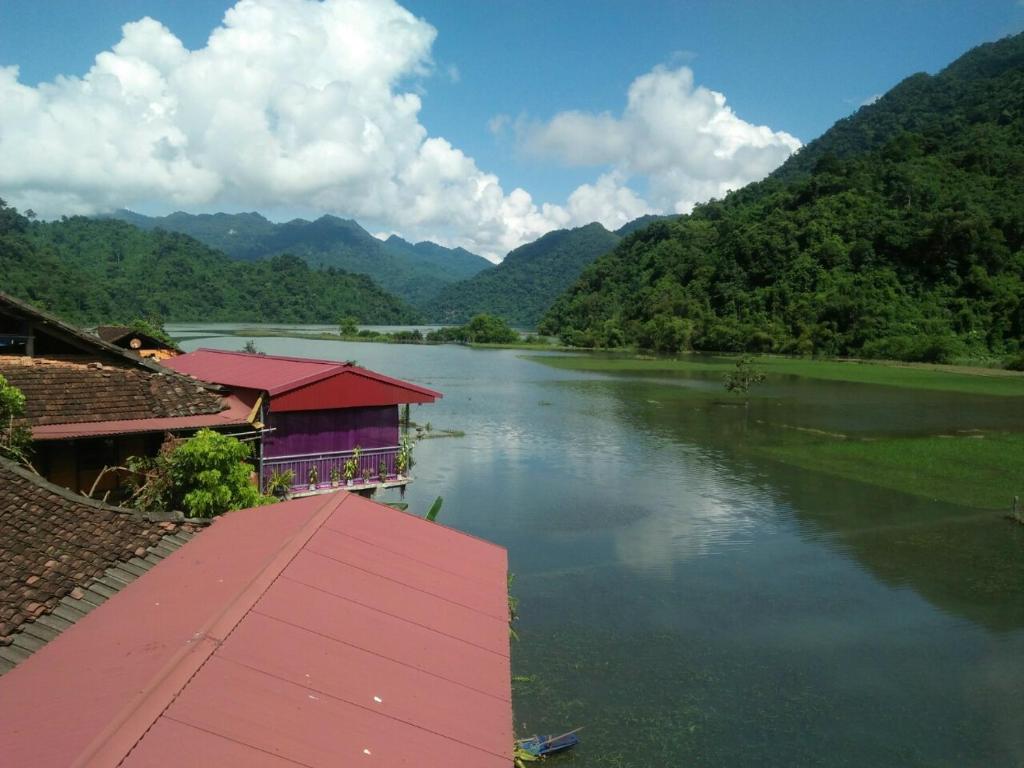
{"x": 691, "y": 604}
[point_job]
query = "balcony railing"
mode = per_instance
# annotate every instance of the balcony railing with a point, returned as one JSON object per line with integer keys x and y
{"x": 367, "y": 475}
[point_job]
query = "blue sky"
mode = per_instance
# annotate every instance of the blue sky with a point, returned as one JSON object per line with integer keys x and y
{"x": 531, "y": 93}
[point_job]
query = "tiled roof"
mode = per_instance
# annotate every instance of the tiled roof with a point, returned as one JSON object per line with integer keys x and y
{"x": 73, "y": 390}
{"x": 89, "y": 343}
{"x": 114, "y": 334}
{"x": 329, "y": 630}
{"x": 61, "y": 554}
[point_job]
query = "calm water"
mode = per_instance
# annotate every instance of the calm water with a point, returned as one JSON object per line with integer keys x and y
{"x": 693, "y": 605}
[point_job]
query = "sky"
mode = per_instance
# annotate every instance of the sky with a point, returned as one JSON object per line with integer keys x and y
{"x": 480, "y": 124}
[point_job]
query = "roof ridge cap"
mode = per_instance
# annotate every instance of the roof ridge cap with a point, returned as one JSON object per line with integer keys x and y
{"x": 139, "y": 714}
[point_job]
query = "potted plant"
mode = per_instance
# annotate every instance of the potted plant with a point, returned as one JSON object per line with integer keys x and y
{"x": 280, "y": 483}
{"x": 335, "y": 477}
{"x": 382, "y": 472}
{"x": 403, "y": 461}
{"x": 314, "y": 478}
{"x": 352, "y": 465}
{"x": 366, "y": 475}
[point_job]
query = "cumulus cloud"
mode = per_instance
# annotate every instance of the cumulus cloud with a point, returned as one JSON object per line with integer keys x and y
{"x": 315, "y": 106}
{"x": 684, "y": 140}
{"x": 290, "y": 103}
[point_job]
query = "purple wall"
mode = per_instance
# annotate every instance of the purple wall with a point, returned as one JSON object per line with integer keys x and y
{"x": 298, "y": 432}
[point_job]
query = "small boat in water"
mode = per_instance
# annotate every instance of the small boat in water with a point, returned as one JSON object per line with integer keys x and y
{"x": 546, "y": 745}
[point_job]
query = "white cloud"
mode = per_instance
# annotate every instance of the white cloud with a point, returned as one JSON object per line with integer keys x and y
{"x": 683, "y": 139}
{"x": 315, "y": 106}
{"x": 291, "y": 103}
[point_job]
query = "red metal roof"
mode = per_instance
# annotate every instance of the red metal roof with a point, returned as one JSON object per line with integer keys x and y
{"x": 297, "y": 384}
{"x": 326, "y": 631}
{"x": 236, "y": 414}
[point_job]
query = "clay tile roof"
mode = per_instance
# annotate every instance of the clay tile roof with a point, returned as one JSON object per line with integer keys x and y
{"x": 75, "y": 390}
{"x": 113, "y": 333}
{"x": 62, "y": 554}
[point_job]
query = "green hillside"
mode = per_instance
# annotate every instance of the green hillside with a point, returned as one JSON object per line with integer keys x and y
{"x": 522, "y": 287}
{"x": 98, "y": 270}
{"x": 416, "y": 273}
{"x": 898, "y": 233}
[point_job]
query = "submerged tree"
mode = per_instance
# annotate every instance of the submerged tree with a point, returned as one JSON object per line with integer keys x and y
{"x": 745, "y": 376}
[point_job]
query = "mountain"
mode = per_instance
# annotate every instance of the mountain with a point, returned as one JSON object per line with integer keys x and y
{"x": 416, "y": 273}
{"x": 898, "y": 233}
{"x": 522, "y": 287}
{"x": 101, "y": 270}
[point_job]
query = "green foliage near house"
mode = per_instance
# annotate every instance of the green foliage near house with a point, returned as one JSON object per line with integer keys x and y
{"x": 202, "y": 476}
{"x": 96, "y": 271}
{"x": 15, "y": 441}
{"x": 898, "y": 234}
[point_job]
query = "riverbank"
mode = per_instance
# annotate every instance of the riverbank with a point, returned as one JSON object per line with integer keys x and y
{"x": 943, "y": 378}
{"x": 979, "y": 469}
{"x": 394, "y": 338}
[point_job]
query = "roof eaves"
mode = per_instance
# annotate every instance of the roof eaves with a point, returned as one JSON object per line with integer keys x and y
{"x": 95, "y": 341}
{"x": 38, "y": 630}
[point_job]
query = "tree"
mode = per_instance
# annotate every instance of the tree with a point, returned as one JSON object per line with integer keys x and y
{"x": 15, "y": 441}
{"x": 740, "y": 380}
{"x": 203, "y": 476}
{"x": 348, "y": 326}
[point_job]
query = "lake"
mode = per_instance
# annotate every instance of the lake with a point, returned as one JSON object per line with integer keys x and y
{"x": 692, "y": 603}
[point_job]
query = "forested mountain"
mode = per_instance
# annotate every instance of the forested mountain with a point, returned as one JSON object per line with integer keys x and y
{"x": 898, "y": 233}
{"x": 102, "y": 270}
{"x": 522, "y": 287}
{"x": 416, "y": 273}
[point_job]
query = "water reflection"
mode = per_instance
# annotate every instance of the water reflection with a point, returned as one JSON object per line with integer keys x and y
{"x": 694, "y": 603}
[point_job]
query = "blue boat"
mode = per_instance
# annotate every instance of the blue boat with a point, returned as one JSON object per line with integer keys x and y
{"x": 546, "y": 745}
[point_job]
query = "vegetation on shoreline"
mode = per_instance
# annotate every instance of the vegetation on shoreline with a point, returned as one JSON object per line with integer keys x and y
{"x": 481, "y": 331}
{"x": 898, "y": 234}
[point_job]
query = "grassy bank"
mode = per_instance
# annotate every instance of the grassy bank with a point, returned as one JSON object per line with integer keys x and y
{"x": 945, "y": 378}
{"x": 976, "y": 470}
{"x": 979, "y": 471}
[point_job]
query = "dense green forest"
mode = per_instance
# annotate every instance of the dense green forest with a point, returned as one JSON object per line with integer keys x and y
{"x": 898, "y": 233}
{"x": 522, "y": 287}
{"x": 92, "y": 271}
{"x": 415, "y": 272}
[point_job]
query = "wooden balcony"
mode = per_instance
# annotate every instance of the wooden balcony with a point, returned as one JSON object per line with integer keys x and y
{"x": 377, "y": 468}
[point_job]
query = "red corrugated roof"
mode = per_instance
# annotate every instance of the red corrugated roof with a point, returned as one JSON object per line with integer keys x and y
{"x": 275, "y": 374}
{"x": 326, "y": 631}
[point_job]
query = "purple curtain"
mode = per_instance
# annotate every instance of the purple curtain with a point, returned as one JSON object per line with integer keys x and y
{"x": 300, "y": 432}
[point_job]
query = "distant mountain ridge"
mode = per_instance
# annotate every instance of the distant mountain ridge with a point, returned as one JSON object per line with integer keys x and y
{"x": 104, "y": 270}
{"x": 414, "y": 272}
{"x": 522, "y": 287}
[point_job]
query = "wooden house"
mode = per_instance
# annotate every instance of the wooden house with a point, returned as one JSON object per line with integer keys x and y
{"x": 316, "y": 414}
{"x": 90, "y": 404}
